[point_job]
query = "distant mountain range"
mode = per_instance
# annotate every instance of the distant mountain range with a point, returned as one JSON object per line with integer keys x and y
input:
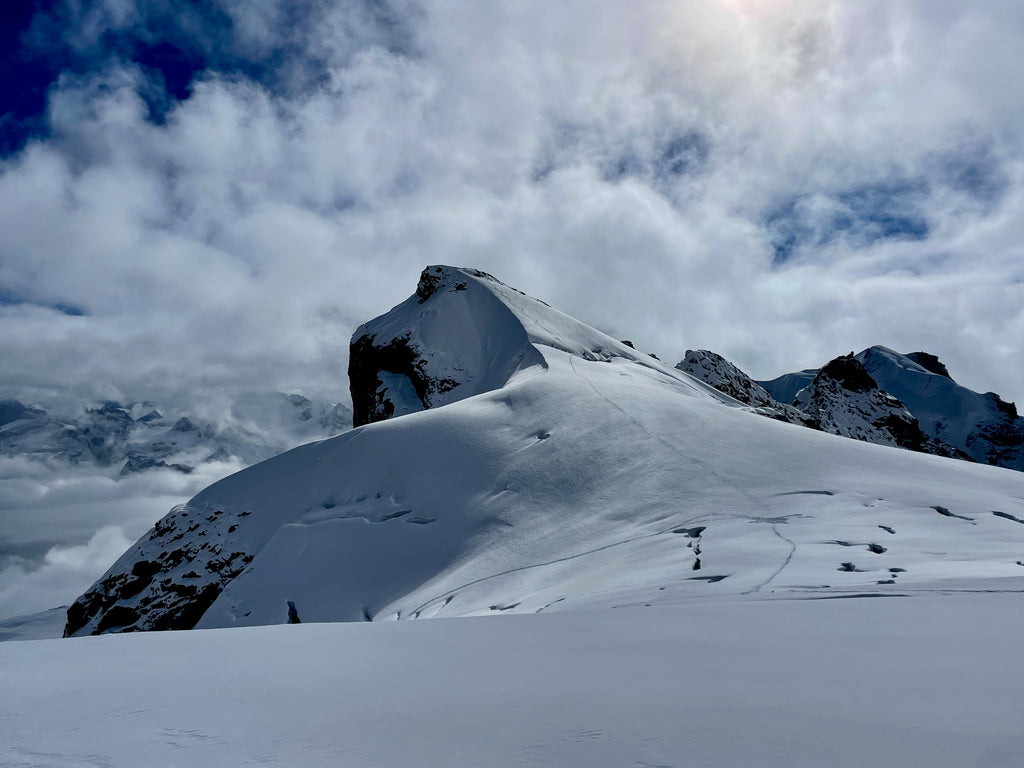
{"x": 880, "y": 396}
{"x": 136, "y": 437}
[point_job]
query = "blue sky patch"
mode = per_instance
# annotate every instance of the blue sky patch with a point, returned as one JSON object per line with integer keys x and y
{"x": 11, "y": 298}
{"x": 861, "y": 215}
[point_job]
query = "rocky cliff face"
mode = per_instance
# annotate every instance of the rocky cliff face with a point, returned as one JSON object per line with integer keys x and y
{"x": 847, "y": 401}
{"x": 168, "y": 579}
{"x": 842, "y": 399}
{"x": 452, "y": 339}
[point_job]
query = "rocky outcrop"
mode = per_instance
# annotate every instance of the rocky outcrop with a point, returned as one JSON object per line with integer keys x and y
{"x": 847, "y": 401}
{"x": 372, "y": 400}
{"x": 168, "y": 579}
{"x": 452, "y": 339}
{"x": 930, "y": 363}
{"x": 715, "y": 370}
{"x": 842, "y": 398}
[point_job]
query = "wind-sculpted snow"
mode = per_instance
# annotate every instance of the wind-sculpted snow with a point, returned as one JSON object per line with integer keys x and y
{"x": 577, "y": 472}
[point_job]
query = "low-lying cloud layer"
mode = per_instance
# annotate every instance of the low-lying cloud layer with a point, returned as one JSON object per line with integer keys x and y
{"x": 60, "y": 531}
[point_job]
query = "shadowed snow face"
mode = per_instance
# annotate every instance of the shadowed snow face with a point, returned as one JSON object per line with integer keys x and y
{"x": 189, "y": 200}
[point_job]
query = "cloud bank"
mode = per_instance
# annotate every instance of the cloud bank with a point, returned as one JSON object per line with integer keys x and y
{"x": 780, "y": 181}
{"x": 209, "y": 199}
{"x": 60, "y": 531}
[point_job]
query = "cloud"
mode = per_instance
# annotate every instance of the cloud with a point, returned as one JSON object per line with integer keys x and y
{"x": 780, "y": 182}
{"x": 25, "y": 589}
{"x": 60, "y": 530}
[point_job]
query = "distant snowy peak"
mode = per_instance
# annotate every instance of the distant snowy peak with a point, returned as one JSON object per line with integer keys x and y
{"x": 954, "y": 420}
{"x": 463, "y": 332}
{"x": 847, "y": 401}
{"x": 137, "y": 437}
{"x": 715, "y": 370}
{"x": 982, "y": 427}
{"x": 842, "y": 399}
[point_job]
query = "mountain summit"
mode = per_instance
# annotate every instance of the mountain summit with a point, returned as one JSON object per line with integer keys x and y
{"x": 513, "y": 459}
{"x": 915, "y": 404}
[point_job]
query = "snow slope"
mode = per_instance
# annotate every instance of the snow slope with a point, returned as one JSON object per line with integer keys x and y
{"x": 932, "y": 680}
{"x": 592, "y": 476}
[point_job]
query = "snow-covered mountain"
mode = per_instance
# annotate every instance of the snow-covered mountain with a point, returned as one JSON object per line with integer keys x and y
{"x": 565, "y": 469}
{"x": 141, "y": 436}
{"x": 913, "y": 403}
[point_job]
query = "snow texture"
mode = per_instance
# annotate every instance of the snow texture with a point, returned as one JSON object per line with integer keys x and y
{"x": 931, "y": 680}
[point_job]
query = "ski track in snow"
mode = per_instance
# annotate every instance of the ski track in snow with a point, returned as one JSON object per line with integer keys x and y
{"x": 455, "y": 590}
{"x": 710, "y": 470}
{"x": 781, "y": 568}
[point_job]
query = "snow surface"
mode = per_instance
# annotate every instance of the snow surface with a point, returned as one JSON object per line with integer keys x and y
{"x": 598, "y": 478}
{"x": 915, "y": 681}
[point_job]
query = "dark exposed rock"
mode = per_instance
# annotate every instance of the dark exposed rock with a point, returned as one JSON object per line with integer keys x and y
{"x": 160, "y": 590}
{"x": 1008, "y": 409}
{"x": 713, "y": 369}
{"x": 930, "y": 363}
{"x": 118, "y": 616}
{"x": 904, "y": 429}
{"x": 366, "y": 360}
{"x": 849, "y": 373}
{"x": 429, "y": 280}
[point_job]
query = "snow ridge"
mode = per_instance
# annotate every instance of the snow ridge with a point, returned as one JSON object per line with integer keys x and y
{"x": 715, "y": 370}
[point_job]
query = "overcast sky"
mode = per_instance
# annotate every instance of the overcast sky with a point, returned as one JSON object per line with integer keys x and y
{"x": 201, "y": 200}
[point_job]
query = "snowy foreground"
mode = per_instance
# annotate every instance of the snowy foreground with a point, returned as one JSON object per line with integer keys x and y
{"x": 929, "y": 680}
